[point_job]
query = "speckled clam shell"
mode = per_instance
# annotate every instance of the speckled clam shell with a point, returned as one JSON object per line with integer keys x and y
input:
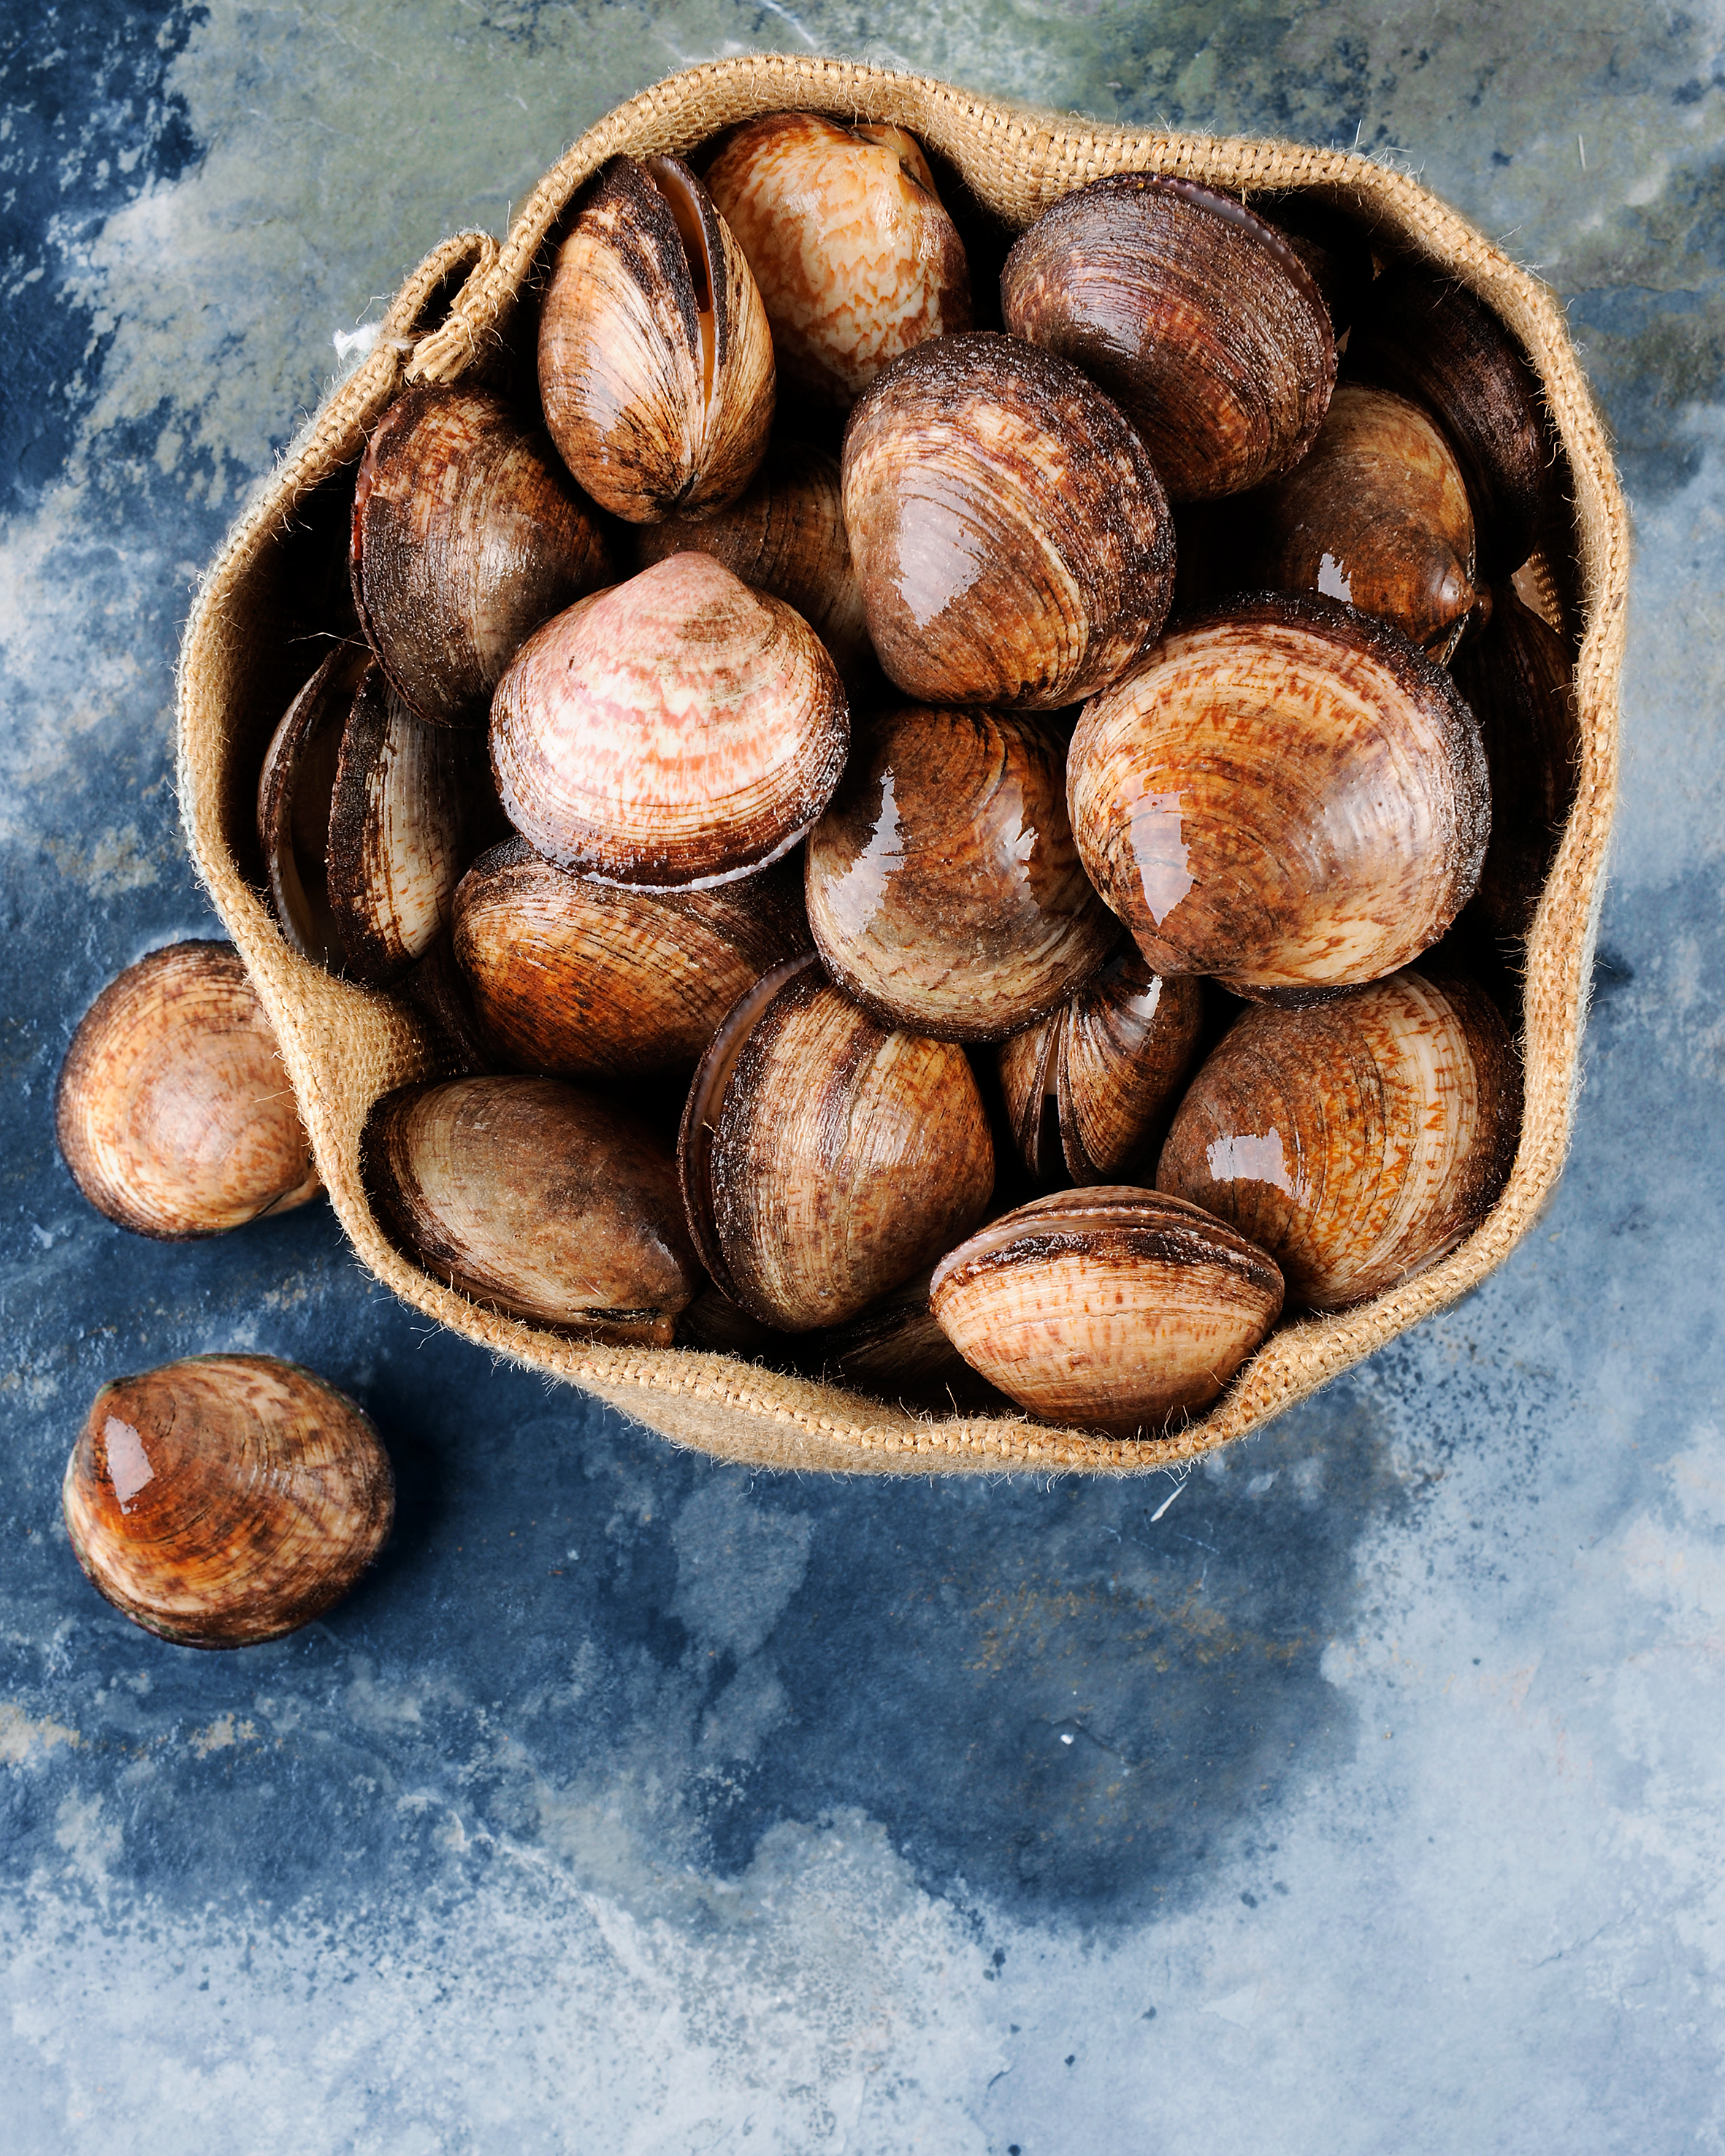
{"x": 1195, "y": 316}
{"x": 588, "y": 980}
{"x": 1358, "y": 1141}
{"x": 534, "y": 1197}
{"x": 1114, "y": 1307}
{"x": 679, "y": 729}
{"x": 824, "y": 1157}
{"x": 1287, "y": 795}
{"x": 226, "y": 1500}
{"x": 294, "y": 785}
{"x": 1010, "y": 531}
{"x": 656, "y": 361}
{"x": 172, "y": 1110}
{"x": 855, "y": 259}
{"x": 1377, "y": 514}
{"x": 467, "y": 535}
{"x": 943, "y": 890}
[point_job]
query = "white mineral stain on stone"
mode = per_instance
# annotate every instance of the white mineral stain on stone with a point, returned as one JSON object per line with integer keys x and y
{"x": 23, "y": 1738}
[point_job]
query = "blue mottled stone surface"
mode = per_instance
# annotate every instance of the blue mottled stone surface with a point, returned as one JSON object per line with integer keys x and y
{"x": 1364, "y": 1797}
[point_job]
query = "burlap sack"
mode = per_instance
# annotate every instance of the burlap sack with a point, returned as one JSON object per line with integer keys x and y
{"x": 254, "y": 636}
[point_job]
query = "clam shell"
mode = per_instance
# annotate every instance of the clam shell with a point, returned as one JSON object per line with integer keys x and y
{"x": 538, "y": 1199}
{"x": 943, "y": 890}
{"x": 1114, "y": 1308}
{"x": 226, "y": 1500}
{"x": 679, "y": 729}
{"x": 1358, "y": 1141}
{"x": 824, "y": 1158}
{"x": 295, "y": 788}
{"x": 467, "y": 535}
{"x": 1195, "y": 316}
{"x": 1010, "y": 532}
{"x": 1287, "y": 795}
{"x": 1028, "y": 1066}
{"x": 173, "y": 1110}
{"x": 655, "y": 361}
{"x": 855, "y": 257}
{"x": 895, "y": 1350}
{"x": 1128, "y": 1039}
{"x": 588, "y": 980}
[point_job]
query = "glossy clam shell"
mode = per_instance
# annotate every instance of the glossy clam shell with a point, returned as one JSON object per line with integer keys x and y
{"x": 295, "y": 785}
{"x": 1113, "y": 1307}
{"x": 943, "y": 890}
{"x": 1010, "y": 531}
{"x": 226, "y": 1500}
{"x": 1520, "y": 687}
{"x": 1128, "y": 1039}
{"x": 538, "y": 1199}
{"x": 855, "y": 257}
{"x": 656, "y": 361}
{"x": 1197, "y": 318}
{"x": 1287, "y": 795}
{"x": 1028, "y": 1068}
{"x": 1358, "y": 1141}
{"x": 784, "y": 534}
{"x": 172, "y": 1110}
{"x": 824, "y": 1158}
{"x": 588, "y": 980}
{"x": 1377, "y": 514}
{"x": 679, "y": 729}
{"x": 1426, "y": 337}
{"x": 467, "y": 535}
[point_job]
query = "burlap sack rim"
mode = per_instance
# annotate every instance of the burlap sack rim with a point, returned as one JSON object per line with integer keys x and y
{"x": 344, "y": 1046}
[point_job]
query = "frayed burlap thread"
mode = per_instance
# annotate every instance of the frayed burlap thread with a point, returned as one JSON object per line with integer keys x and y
{"x": 344, "y": 1046}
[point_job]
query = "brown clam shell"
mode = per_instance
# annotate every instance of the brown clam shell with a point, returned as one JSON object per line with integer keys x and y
{"x": 1358, "y": 1141}
{"x": 1518, "y": 679}
{"x": 589, "y": 980}
{"x": 785, "y": 535}
{"x": 656, "y": 361}
{"x": 1428, "y": 338}
{"x": 538, "y": 1199}
{"x": 896, "y": 1350}
{"x": 824, "y": 1157}
{"x": 226, "y": 1500}
{"x": 1287, "y": 795}
{"x": 1377, "y": 514}
{"x": 1028, "y": 1066}
{"x": 467, "y": 535}
{"x": 295, "y": 786}
{"x": 943, "y": 890}
{"x": 1010, "y": 532}
{"x": 173, "y": 1110}
{"x": 1199, "y": 320}
{"x": 855, "y": 257}
{"x": 679, "y": 729}
{"x": 1113, "y": 1307}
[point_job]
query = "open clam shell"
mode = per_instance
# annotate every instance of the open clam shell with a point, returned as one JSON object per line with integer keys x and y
{"x": 1112, "y": 1307}
{"x": 1287, "y": 795}
{"x": 1358, "y": 1141}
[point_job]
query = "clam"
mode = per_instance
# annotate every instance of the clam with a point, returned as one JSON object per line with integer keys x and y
{"x": 226, "y": 1500}
{"x": 784, "y": 534}
{"x": 1357, "y": 1142}
{"x": 588, "y": 980}
{"x": 1423, "y": 335}
{"x": 467, "y": 535}
{"x": 1517, "y": 679}
{"x": 1199, "y": 320}
{"x": 1010, "y": 532}
{"x": 895, "y": 1349}
{"x": 172, "y": 1110}
{"x": 945, "y": 893}
{"x": 1113, "y": 1307}
{"x": 1377, "y": 516}
{"x": 679, "y": 729}
{"x": 295, "y": 787}
{"x": 1287, "y": 795}
{"x": 536, "y": 1198}
{"x": 655, "y": 361}
{"x": 855, "y": 257}
{"x": 824, "y": 1157}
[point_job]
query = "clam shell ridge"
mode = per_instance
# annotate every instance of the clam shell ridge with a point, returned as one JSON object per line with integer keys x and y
{"x": 1286, "y": 795}
{"x": 226, "y": 1500}
{"x": 679, "y": 729}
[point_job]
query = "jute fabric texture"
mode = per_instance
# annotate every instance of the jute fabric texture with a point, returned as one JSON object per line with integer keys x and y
{"x": 253, "y": 638}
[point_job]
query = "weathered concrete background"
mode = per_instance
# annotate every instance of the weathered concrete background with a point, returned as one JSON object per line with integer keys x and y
{"x": 1367, "y": 1798}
